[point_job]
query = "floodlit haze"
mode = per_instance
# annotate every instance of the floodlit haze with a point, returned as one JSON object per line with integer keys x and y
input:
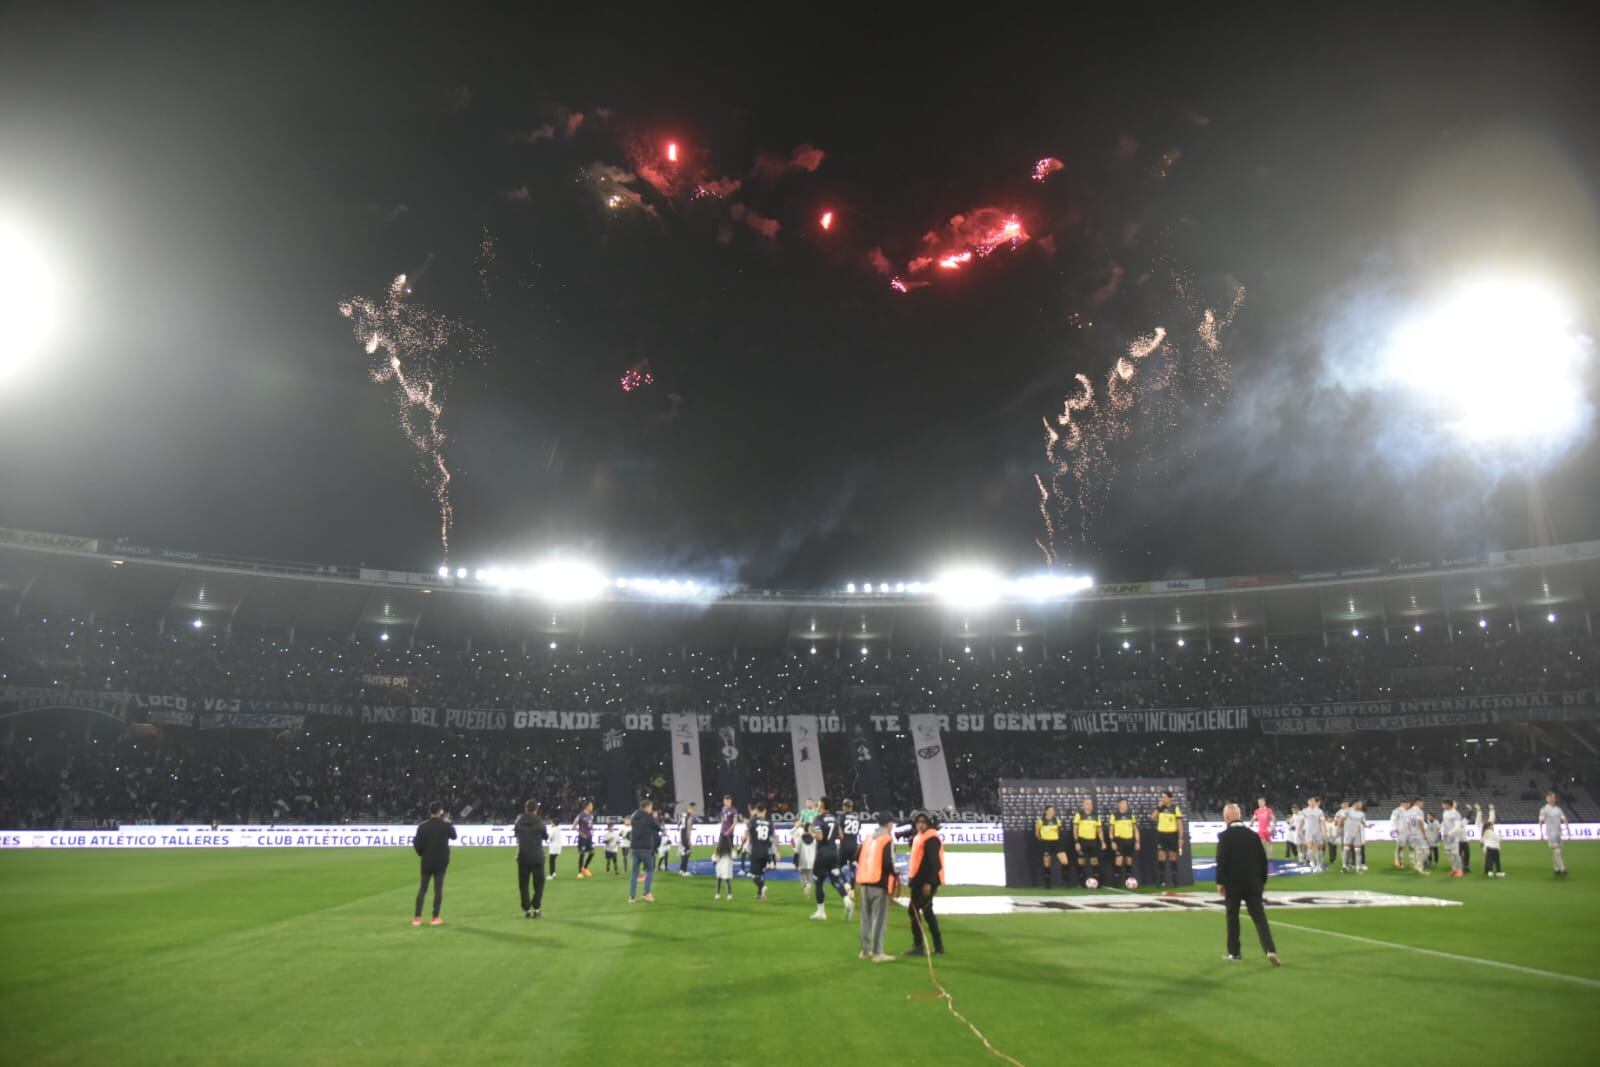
{"x": 1101, "y": 292}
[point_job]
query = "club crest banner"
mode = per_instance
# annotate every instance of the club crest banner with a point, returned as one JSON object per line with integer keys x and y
{"x": 932, "y": 768}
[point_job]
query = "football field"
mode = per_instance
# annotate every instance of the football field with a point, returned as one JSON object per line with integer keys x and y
{"x": 308, "y": 956}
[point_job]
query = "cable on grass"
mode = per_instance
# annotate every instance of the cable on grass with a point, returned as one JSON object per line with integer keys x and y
{"x": 944, "y": 994}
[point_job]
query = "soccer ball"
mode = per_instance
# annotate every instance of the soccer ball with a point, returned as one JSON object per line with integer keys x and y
{"x": 1091, "y": 883}
{"x": 1132, "y": 883}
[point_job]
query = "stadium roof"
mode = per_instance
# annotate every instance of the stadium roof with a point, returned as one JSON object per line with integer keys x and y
{"x": 1525, "y": 588}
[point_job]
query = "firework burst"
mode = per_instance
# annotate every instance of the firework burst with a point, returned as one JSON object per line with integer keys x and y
{"x": 1157, "y": 382}
{"x": 411, "y": 347}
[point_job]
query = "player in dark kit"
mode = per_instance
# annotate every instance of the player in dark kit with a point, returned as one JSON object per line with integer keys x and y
{"x": 763, "y": 847}
{"x": 825, "y": 828}
{"x": 728, "y": 820}
{"x": 685, "y": 841}
{"x": 849, "y": 842}
{"x": 432, "y": 843}
{"x": 584, "y": 825}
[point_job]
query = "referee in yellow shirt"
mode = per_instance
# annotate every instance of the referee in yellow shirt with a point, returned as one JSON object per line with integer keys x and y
{"x": 1088, "y": 834}
{"x": 1169, "y": 838}
{"x": 1047, "y": 831}
{"x": 1125, "y": 841}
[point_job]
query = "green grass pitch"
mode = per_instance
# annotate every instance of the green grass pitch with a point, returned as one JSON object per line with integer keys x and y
{"x": 308, "y": 957}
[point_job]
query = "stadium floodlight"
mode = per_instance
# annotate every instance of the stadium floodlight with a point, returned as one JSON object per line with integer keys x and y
{"x": 914, "y": 588}
{"x": 899, "y": 587}
{"x": 29, "y": 298}
{"x": 444, "y": 572}
{"x": 813, "y": 650}
{"x": 1355, "y": 632}
{"x": 851, "y": 588}
{"x": 564, "y": 580}
{"x": 1019, "y": 648}
{"x": 1050, "y": 586}
{"x": 461, "y": 572}
{"x": 384, "y": 636}
{"x": 967, "y": 649}
{"x": 863, "y": 650}
{"x": 552, "y": 646}
{"x": 1500, "y": 361}
{"x": 1180, "y": 642}
{"x": 1550, "y": 617}
{"x": 197, "y": 624}
{"x": 970, "y": 586}
{"x": 1417, "y": 628}
{"x": 1483, "y": 624}
{"x": 1237, "y": 639}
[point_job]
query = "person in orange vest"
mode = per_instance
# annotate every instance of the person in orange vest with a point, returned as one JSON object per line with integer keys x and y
{"x": 875, "y": 876}
{"x": 926, "y": 876}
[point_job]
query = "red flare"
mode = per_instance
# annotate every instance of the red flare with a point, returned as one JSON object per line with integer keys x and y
{"x": 827, "y": 220}
{"x": 672, "y": 151}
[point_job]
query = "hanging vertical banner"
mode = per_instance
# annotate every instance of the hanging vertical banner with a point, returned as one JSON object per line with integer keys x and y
{"x": 932, "y": 768}
{"x": 733, "y": 776}
{"x": 869, "y": 786}
{"x": 808, "y": 782}
{"x": 687, "y": 785}
{"x": 620, "y": 798}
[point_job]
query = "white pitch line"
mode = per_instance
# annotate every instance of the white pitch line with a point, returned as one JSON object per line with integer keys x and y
{"x": 1589, "y": 983}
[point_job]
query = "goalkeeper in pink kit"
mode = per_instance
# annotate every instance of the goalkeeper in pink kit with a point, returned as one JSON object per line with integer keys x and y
{"x": 1264, "y": 821}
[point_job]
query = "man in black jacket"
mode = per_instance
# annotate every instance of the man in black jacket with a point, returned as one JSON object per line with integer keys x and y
{"x": 1241, "y": 875}
{"x": 531, "y": 834}
{"x": 432, "y": 843}
{"x": 645, "y": 839}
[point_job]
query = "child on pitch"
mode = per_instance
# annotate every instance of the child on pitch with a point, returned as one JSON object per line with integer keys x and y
{"x": 553, "y": 848}
{"x": 805, "y": 855}
{"x": 613, "y": 844}
{"x": 723, "y": 861}
{"x": 1491, "y": 842}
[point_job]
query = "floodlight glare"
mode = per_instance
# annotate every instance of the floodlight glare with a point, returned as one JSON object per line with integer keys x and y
{"x": 565, "y": 580}
{"x": 1500, "y": 360}
{"x": 28, "y": 298}
{"x": 1050, "y": 586}
{"x": 970, "y": 586}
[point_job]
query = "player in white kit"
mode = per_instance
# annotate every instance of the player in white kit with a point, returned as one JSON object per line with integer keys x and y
{"x": 1316, "y": 834}
{"x": 1452, "y": 831}
{"x": 1354, "y": 828}
{"x": 1553, "y": 821}
{"x": 1397, "y": 832}
{"x": 1415, "y": 836}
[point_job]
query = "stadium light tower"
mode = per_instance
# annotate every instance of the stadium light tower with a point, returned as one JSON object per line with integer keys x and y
{"x": 29, "y": 298}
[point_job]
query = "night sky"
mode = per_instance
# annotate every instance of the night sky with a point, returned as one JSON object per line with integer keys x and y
{"x": 212, "y": 184}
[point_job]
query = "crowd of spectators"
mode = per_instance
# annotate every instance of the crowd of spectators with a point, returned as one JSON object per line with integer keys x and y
{"x": 341, "y": 771}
